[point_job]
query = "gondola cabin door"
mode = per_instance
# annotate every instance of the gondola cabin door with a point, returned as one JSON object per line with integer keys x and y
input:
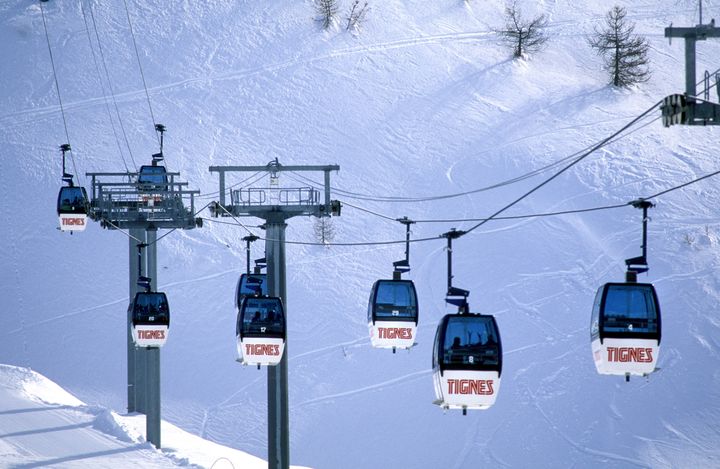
{"x": 625, "y": 329}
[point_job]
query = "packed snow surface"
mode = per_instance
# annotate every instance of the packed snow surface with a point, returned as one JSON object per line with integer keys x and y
{"x": 423, "y": 101}
{"x": 44, "y": 425}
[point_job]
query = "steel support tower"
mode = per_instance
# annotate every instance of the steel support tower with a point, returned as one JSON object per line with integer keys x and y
{"x": 118, "y": 201}
{"x": 276, "y": 205}
{"x": 688, "y": 109}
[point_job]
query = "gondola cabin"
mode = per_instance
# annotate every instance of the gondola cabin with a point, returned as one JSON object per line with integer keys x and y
{"x": 467, "y": 361}
{"x": 152, "y": 178}
{"x": 72, "y": 208}
{"x": 393, "y": 314}
{"x": 150, "y": 319}
{"x": 152, "y": 182}
{"x": 250, "y": 285}
{"x": 625, "y": 329}
{"x": 260, "y": 331}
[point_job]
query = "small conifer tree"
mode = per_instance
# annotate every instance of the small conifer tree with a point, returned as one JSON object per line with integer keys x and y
{"x": 624, "y": 53}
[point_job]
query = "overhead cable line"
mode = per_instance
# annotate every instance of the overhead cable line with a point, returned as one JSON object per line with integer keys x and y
{"x": 112, "y": 92}
{"x": 227, "y": 191}
{"x": 521, "y": 217}
{"x": 457, "y": 220}
{"x": 310, "y": 243}
{"x": 142, "y": 74}
{"x": 556, "y": 213}
{"x": 522, "y": 177}
{"x": 681, "y": 185}
{"x": 495, "y": 218}
{"x": 368, "y": 211}
{"x": 366, "y": 243}
{"x": 222, "y": 222}
{"x": 57, "y": 87}
{"x": 126, "y": 233}
{"x": 560, "y": 212}
{"x": 557, "y": 174}
{"x": 102, "y": 87}
{"x": 236, "y": 220}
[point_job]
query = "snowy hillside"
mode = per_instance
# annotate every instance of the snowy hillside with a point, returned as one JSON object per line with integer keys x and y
{"x": 424, "y": 101}
{"x": 43, "y": 425}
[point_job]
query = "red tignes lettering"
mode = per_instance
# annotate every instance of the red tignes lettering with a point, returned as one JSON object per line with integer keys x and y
{"x": 395, "y": 333}
{"x": 630, "y": 354}
{"x": 482, "y": 387}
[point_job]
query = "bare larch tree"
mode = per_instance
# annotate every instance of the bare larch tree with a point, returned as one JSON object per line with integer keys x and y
{"x": 327, "y": 11}
{"x": 624, "y": 53}
{"x": 524, "y": 36}
{"x": 357, "y": 15}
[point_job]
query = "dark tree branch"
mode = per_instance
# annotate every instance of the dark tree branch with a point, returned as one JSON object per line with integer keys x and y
{"x": 522, "y": 35}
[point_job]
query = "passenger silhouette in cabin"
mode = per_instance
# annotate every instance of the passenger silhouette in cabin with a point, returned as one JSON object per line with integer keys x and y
{"x": 491, "y": 340}
{"x": 255, "y": 322}
{"x": 455, "y": 352}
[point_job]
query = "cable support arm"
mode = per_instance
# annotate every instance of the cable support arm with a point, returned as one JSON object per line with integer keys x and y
{"x": 638, "y": 265}
{"x": 142, "y": 281}
{"x": 157, "y": 157}
{"x": 249, "y": 239}
{"x": 66, "y": 177}
{"x": 454, "y": 296}
{"x": 403, "y": 265}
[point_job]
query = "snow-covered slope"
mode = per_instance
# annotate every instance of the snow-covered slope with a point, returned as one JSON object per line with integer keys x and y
{"x": 424, "y": 101}
{"x": 44, "y": 425}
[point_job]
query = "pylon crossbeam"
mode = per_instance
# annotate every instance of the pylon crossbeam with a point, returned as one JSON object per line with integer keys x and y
{"x": 124, "y": 204}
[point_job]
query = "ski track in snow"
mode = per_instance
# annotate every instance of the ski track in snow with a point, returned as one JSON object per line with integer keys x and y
{"x": 24, "y": 327}
{"x": 671, "y": 428}
{"x": 124, "y": 300}
{"x": 373, "y": 387}
{"x": 30, "y": 115}
{"x": 223, "y": 405}
{"x": 359, "y": 341}
{"x": 471, "y": 439}
{"x": 207, "y": 413}
{"x": 582, "y": 448}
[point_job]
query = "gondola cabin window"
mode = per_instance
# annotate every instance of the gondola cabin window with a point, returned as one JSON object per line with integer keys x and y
{"x": 630, "y": 309}
{"x": 262, "y": 318}
{"x": 151, "y": 308}
{"x": 471, "y": 342}
{"x": 250, "y": 285}
{"x": 395, "y": 299}
{"x": 152, "y": 178}
{"x": 72, "y": 200}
